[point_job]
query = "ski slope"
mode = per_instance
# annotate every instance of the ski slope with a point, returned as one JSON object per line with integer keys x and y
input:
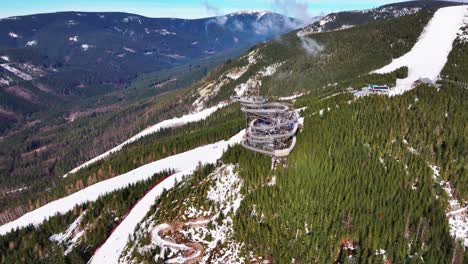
{"x": 177, "y": 121}
{"x": 184, "y": 163}
{"x": 111, "y": 250}
{"x": 429, "y": 55}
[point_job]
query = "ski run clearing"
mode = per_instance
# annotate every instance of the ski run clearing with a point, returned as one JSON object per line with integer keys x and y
{"x": 429, "y": 55}
{"x": 177, "y": 121}
{"x": 187, "y": 241}
{"x": 183, "y": 163}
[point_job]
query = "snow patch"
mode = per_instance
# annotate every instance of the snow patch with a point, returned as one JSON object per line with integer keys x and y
{"x": 85, "y": 47}
{"x": 131, "y": 18}
{"x": 129, "y": 50}
{"x": 437, "y": 39}
{"x": 164, "y": 32}
{"x": 255, "y": 80}
{"x": 236, "y": 73}
{"x": 456, "y": 214}
{"x": 17, "y": 72}
{"x": 70, "y": 237}
{"x": 270, "y": 70}
{"x": 174, "y": 56}
{"x": 289, "y": 98}
{"x": 31, "y": 43}
{"x": 13, "y": 35}
{"x": 207, "y": 91}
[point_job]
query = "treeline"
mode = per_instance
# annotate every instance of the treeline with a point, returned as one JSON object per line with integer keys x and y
{"x": 33, "y": 244}
{"x": 148, "y": 149}
{"x": 456, "y": 68}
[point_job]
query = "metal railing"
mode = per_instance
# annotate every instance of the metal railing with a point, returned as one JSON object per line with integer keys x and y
{"x": 271, "y": 127}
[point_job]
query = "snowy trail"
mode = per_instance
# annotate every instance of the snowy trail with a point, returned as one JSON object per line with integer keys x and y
{"x": 429, "y": 55}
{"x": 183, "y": 163}
{"x": 177, "y": 121}
{"x": 157, "y": 239}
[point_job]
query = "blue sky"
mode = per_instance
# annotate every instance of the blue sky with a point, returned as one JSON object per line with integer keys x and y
{"x": 182, "y": 8}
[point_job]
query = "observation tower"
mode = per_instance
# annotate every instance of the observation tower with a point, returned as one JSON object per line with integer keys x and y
{"x": 271, "y": 127}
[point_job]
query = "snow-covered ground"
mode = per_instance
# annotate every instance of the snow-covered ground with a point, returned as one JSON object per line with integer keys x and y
{"x": 13, "y": 35}
{"x": 85, "y": 47}
{"x": 236, "y": 73}
{"x": 211, "y": 89}
{"x": 198, "y": 239}
{"x": 183, "y": 163}
{"x": 177, "y": 121}
{"x": 292, "y": 97}
{"x": 73, "y": 39}
{"x": 256, "y": 80}
{"x": 16, "y": 72}
{"x": 164, "y": 32}
{"x": 456, "y": 214}
{"x": 429, "y": 55}
{"x": 129, "y": 50}
{"x": 31, "y": 43}
{"x": 70, "y": 236}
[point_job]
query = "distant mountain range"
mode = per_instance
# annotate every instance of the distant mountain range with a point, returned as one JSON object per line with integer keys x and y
{"x": 117, "y": 46}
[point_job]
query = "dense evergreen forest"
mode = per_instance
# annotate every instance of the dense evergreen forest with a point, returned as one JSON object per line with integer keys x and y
{"x": 360, "y": 173}
{"x": 352, "y": 178}
{"x": 39, "y": 161}
{"x": 59, "y": 132}
{"x": 362, "y": 170}
{"x": 35, "y": 244}
{"x": 343, "y": 58}
{"x": 150, "y": 148}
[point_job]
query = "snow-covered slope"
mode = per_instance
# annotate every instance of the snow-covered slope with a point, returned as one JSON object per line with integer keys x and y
{"x": 111, "y": 250}
{"x": 183, "y": 163}
{"x": 429, "y": 55}
{"x": 348, "y": 19}
{"x": 176, "y": 121}
{"x": 202, "y": 234}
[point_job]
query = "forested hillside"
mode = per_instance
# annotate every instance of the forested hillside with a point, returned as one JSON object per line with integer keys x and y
{"x": 73, "y": 85}
{"x": 372, "y": 179}
{"x": 348, "y": 19}
{"x": 59, "y": 147}
{"x": 378, "y": 189}
{"x": 73, "y": 238}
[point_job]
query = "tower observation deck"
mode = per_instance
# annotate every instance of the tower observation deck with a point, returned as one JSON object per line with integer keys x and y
{"x": 271, "y": 127}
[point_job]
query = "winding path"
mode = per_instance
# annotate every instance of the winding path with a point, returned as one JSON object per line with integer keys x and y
{"x": 195, "y": 248}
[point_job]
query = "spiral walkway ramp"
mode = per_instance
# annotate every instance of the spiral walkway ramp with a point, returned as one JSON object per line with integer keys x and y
{"x": 271, "y": 127}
